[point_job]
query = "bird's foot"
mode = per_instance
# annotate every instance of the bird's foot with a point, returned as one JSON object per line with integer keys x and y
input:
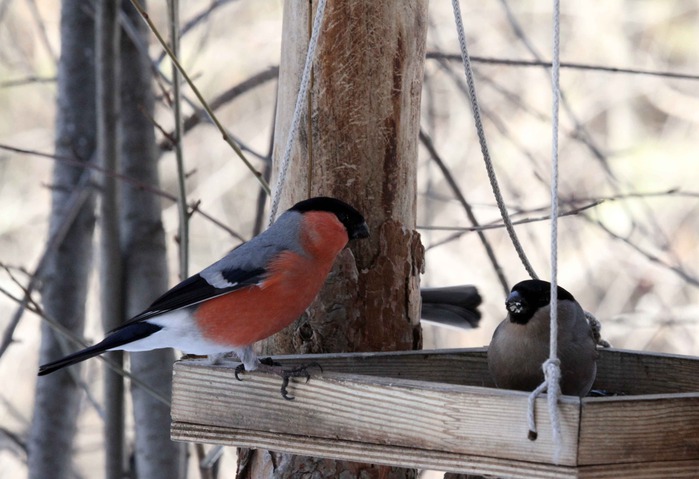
{"x": 270, "y": 366}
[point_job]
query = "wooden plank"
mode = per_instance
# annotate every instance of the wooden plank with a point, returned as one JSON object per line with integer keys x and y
{"x": 619, "y": 371}
{"x": 640, "y": 429}
{"x": 425, "y": 459}
{"x": 468, "y": 367}
{"x": 377, "y": 410}
{"x": 634, "y": 372}
{"x": 642, "y": 470}
{"x": 372, "y": 453}
{"x": 430, "y": 401}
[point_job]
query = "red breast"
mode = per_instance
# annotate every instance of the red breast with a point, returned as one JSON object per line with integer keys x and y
{"x": 248, "y": 315}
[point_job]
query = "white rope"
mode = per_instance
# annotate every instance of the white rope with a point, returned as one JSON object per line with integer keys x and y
{"x": 298, "y": 111}
{"x": 468, "y": 70}
{"x": 552, "y": 369}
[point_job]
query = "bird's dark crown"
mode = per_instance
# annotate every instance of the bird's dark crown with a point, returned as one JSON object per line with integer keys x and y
{"x": 527, "y": 297}
{"x": 351, "y": 218}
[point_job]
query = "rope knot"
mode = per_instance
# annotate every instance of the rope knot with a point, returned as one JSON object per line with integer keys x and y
{"x": 552, "y": 371}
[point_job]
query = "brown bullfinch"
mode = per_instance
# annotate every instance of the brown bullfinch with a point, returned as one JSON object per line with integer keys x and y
{"x": 253, "y": 292}
{"x": 520, "y": 344}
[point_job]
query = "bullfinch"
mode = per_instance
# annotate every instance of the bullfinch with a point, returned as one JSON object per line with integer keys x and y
{"x": 520, "y": 344}
{"x": 253, "y": 292}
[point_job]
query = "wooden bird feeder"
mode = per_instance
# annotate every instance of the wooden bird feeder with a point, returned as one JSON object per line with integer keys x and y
{"x": 439, "y": 410}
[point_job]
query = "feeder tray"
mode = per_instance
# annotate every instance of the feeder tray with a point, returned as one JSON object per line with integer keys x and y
{"x": 439, "y": 410}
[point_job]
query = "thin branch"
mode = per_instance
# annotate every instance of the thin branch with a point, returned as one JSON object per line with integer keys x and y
{"x": 678, "y": 270}
{"x": 183, "y": 237}
{"x": 222, "y": 99}
{"x": 132, "y": 181}
{"x": 427, "y": 143}
{"x": 25, "y": 302}
{"x": 492, "y": 226}
{"x": 199, "y": 96}
{"x": 42, "y": 30}
{"x": 30, "y": 80}
{"x": 572, "y": 65}
{"x": 73, "y": 206}
{"x": 15, "y": 439}
{"x": 83, "y": 343}
{"x": 195, "y": 20}
{"x": 593, "y": 202}
{"x": 267, "y": 172}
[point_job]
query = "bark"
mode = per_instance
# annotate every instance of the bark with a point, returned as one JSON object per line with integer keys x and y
{"x": 361, "y": 146}
{"x": 145, "y": 266}
{"x": 65, "y": 275}
{"x": 112, "y": 311}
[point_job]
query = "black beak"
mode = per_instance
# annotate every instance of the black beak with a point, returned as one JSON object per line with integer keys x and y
{"x": 514, "y": 302}
{"x": 361, "y": 231}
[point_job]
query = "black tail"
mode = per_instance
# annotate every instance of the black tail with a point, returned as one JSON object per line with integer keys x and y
{"x": 87, "y": 353}
{"x": 125, "y": 334}
{"x": 455, "y": 306}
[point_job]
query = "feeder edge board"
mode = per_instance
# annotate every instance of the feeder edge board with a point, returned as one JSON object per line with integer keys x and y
{"x": 423, "y": 459}
{"x": 376, "y": 410}
{"x": 649, "y": 435}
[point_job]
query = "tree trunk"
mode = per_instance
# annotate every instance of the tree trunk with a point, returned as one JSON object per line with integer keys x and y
{"x": 145, "y": 264}
{"x": 111, "y": 278}
{"x": 65, "y": 275}
{"x": 360, "y": 145}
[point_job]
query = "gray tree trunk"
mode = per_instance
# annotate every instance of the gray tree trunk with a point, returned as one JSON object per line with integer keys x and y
{"x": 145, "y": 265}
{"x": 111, "y": 278}
{"x": 65, "y": 275}
{"x": 361, "y": 147}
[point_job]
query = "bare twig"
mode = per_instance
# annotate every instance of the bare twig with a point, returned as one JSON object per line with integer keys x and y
{"x": 427, "y": 143}
{"x": 199, "y": 96}
{"x": 30, "y": 80}
{"x": 41, "y": 25}
{"x": 125, "y": 178}
{"x": 15, "y": 439}
{"x": 678, "y": 270}
{"x": 572, "y": 65}
{"x": 195, "y": 20}
{"x": 73, "y": 206}
{"x": 492, "y": 226}
{"x": 267, "y": 172}
{"x": 227, "y": 96}
{"x": 81, "y": 342}
{"x": 183, "y": 243}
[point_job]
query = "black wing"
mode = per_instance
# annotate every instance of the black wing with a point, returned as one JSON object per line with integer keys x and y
{"x": 196, "y": 289}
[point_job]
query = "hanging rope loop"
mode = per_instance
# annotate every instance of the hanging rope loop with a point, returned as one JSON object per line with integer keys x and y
{"x": 490, "y": 169}
{"x": 298, "y": 110}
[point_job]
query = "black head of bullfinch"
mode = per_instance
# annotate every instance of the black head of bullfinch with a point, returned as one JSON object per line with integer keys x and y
{"x": 253, "y": 292}
{"x": 520, "y": 344}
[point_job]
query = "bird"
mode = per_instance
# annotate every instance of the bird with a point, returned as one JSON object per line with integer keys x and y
{"x": 520, "y": 343}
{"x": 455, "y": 307}
{"x": 256, "y": 290}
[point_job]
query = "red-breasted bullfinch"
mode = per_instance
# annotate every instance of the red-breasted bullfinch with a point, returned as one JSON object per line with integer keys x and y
{"x": 520, "y": 344}
{"x": 253, "y": 292}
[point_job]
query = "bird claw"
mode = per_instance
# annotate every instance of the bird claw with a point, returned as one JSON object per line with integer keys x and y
{"x": 240, "y": 368}
{"x": 287, "y": 374}
{"x": 269, "y": 365}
